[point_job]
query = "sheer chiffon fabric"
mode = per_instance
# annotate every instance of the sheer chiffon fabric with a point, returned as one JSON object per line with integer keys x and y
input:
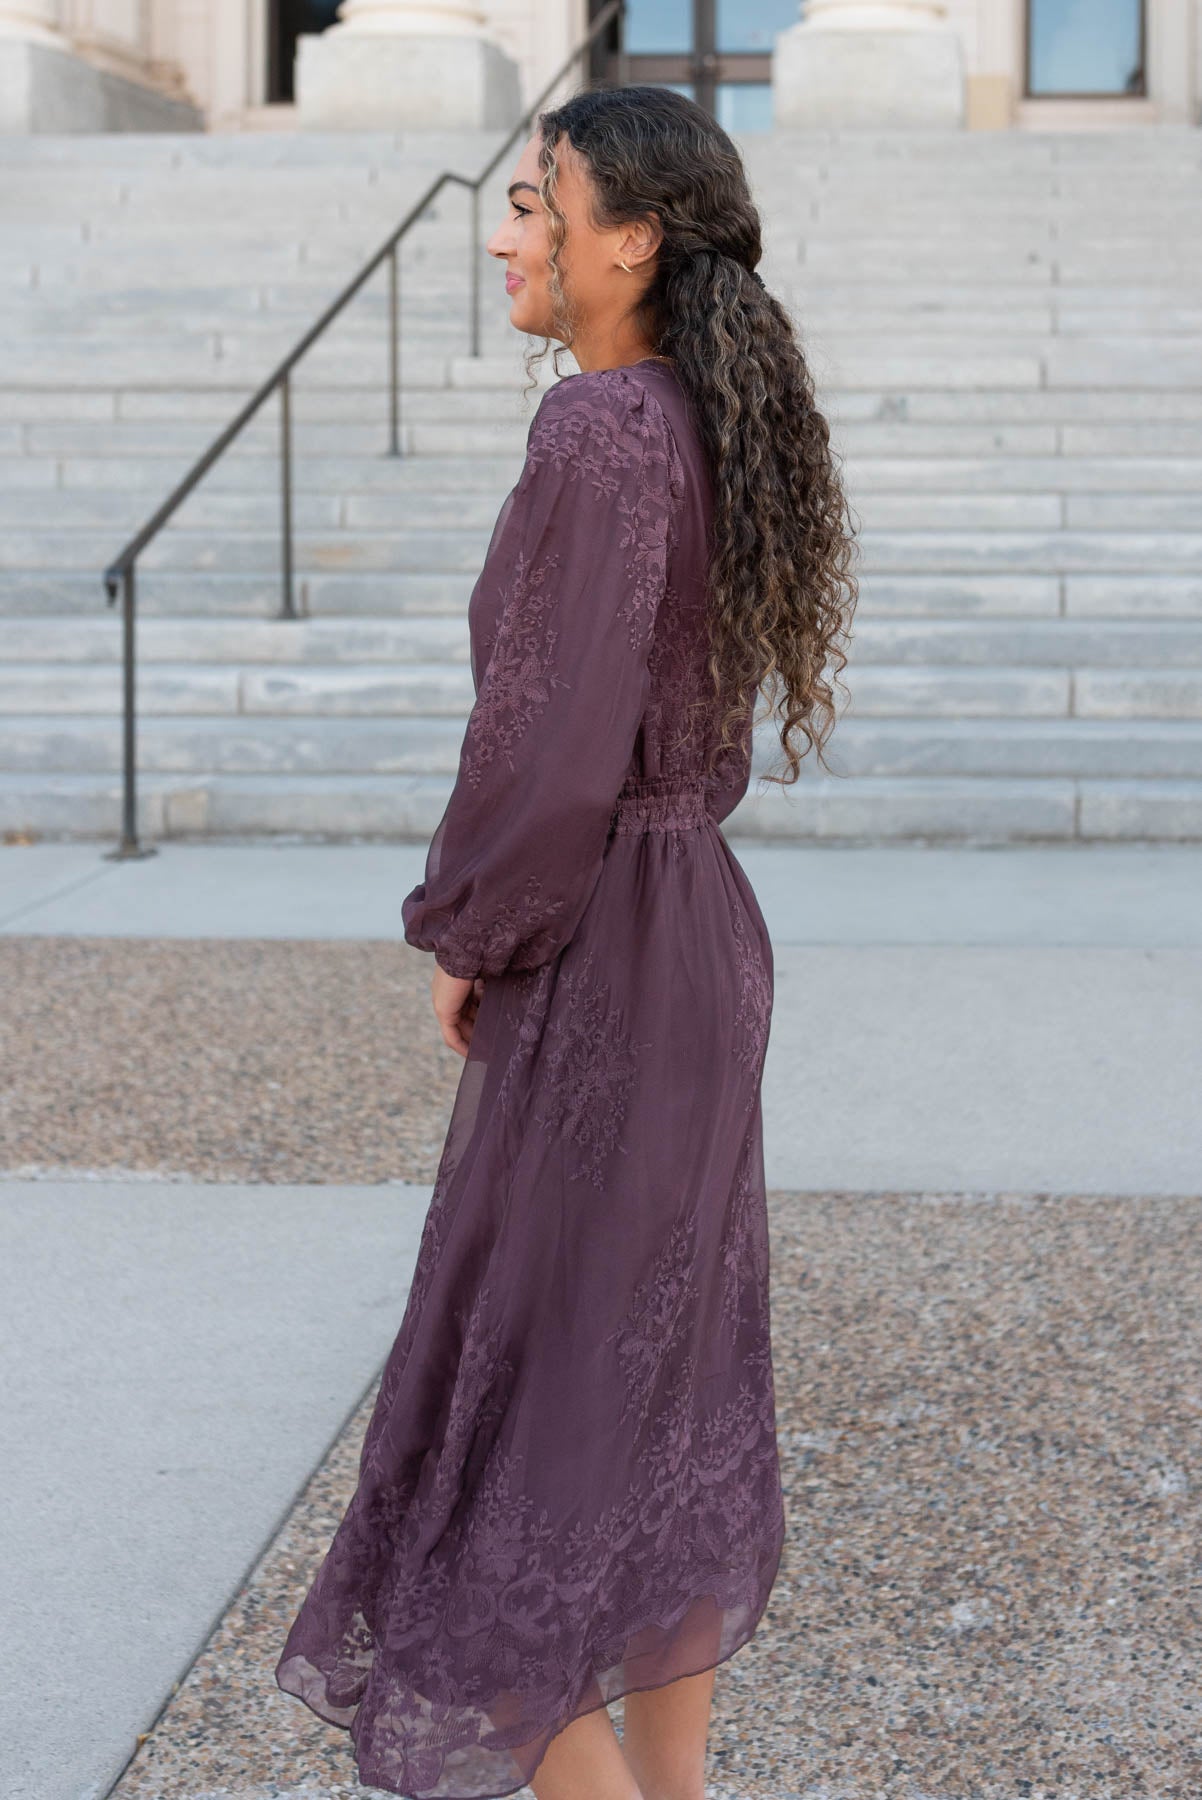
{"x": 569, "y": 1487}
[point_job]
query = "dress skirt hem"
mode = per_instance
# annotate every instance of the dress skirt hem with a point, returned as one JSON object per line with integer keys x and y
{"x": 298, "y": 1678}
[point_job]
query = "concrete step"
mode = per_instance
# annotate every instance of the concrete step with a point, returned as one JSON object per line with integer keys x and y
{"x": 460, "y": 390}
{"x": 85, "y": 508}
{"x": 1017, "y": 458}
{"x": 243, "y": 551}
{"x": 171, "y": 690}
{"x": 1046, "y": 362}
{"x": 1150, "y": 749}
{"x": 415, "y": 549}
{"x": 976, "y": 325}
{"x": 821, "y": 306}
{"x": 151, "y": 478}
{"x": 495, "y": 452}
{"x": 198, "y": 151}
{"x": 215, "y": 407}
{"x": 904, "y": 507}
{"x": 260, "y": 437}
{"x": 425, "y": 687}
{"x": 897, "y": 642}
{"x": 977, "y": 810}
{"x": 377, "y": 491}
{"x": 345, "y": 230}
{"x": 367, "y": 185}
{"x": 325, "y": 642}
{"x": 1064, "y": 551}
{"x": 358, "y": 742}
{"x": 851, "y": 194}
{"x": 251, "y": 744}
{"x": 79, "y": 593}
{"x": 968, "y": 594}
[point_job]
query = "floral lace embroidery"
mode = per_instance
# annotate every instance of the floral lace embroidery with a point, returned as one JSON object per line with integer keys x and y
{"x": 679, "y": 710}
{"x": 662, "y": 1305}
{"x": 754, "y": 1014}
{"x": 646, "y": 537}
{"x": 484, "y": 944}
{"x": 477, "y": 1404}
{"x": 581, "y": 436}
{"x": 681, "y": 717}
{"x": 527, "y": 994}
{"x": 520, "y": 673}
{"x": 745, "y": 1241}
{"x": 591, "y": 1063}
{"x": 429, "y": 1251}
{"x": 697, "y": 1479}
{"x": 592, "y": 440}
{"x": 702, "y": 1515}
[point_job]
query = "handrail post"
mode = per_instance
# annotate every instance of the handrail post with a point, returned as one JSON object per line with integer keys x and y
{"x": 394, "y": 352}
{"x": 129, "y": 846}
{"x": 474, "y": 269}
{"x": 288, "y": 609}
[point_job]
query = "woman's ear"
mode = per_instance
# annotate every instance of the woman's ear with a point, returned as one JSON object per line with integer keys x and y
{"x": 640, "y": 240}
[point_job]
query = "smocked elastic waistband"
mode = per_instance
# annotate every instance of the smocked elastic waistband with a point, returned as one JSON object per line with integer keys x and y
{"x": 659, "y": 805}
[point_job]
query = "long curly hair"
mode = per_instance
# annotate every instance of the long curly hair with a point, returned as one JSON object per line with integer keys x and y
{"x": 781, "y": 591}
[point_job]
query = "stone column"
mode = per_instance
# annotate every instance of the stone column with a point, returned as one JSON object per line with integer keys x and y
{"x": 869, "y": 63}
{"x": 405, "y": 65}
{"x": 34, "y": 20}
{"x": 47, "y": 84}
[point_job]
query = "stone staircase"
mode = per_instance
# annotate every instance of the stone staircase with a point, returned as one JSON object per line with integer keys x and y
{"x": 1008, "y": 340}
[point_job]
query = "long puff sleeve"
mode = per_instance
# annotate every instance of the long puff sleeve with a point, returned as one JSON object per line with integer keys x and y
{"x": 580, "y": 558}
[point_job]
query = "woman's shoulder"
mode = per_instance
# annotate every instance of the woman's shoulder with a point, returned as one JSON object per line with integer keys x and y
{"x": 602, "y": 413}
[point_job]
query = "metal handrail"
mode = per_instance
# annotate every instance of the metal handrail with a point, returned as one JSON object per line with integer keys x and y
{"x": 120, "y": 575}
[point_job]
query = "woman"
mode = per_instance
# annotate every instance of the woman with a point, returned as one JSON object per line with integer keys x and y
{"x": 569, "y": 1487}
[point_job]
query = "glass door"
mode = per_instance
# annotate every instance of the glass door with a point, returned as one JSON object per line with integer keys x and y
{"x": 1085, "y": 48}
{"x": 717, "y": 51}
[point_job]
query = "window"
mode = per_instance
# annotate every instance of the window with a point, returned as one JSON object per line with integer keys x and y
{"x": 1085, "y": 47}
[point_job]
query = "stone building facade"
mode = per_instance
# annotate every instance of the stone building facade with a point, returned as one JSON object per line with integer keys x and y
{"x": 89, "y": 65}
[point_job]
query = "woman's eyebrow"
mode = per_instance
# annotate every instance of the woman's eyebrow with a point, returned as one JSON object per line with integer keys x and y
{"x": 515, "y": 185}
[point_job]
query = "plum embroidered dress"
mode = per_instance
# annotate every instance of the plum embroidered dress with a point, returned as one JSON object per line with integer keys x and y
{"x": 569, "y": 1486}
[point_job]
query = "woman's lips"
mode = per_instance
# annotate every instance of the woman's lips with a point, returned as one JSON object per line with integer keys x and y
{"x": 512, "y": 282}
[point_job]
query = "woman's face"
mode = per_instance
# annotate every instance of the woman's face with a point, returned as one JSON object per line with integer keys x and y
{"x": 598, "y": 288}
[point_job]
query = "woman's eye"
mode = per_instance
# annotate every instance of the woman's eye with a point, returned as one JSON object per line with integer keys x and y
{"x": 522, "y": 211}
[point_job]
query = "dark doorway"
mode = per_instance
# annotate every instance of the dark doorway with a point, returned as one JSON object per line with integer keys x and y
{"x": 717, "y": 51}
{"x": 1085, "y": 48}
{"x": 288, "y": 20}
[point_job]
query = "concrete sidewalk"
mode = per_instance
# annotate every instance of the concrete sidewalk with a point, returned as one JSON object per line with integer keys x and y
{"x": 179, "y": 1355}
{"x": 174, "y": 1362}
{"x": 1120, "y": 896}
{"x": 945, "y": 1018}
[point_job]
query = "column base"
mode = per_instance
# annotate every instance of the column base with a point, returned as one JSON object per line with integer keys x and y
{"x": 44, "y": 89}
{"x": 827, "y": 76}
{"x": 363, "y": 81}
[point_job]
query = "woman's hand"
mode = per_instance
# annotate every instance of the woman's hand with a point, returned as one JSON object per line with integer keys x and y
{"x": 456, "y": 1002}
